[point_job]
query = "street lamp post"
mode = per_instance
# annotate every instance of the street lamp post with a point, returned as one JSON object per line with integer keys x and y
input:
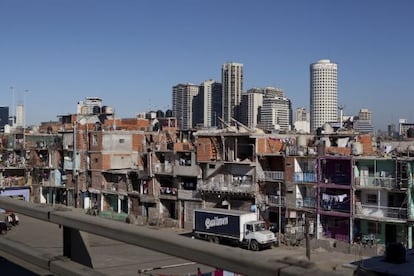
{"x": 24, "y": 118}
{"x": 12, "y": 111}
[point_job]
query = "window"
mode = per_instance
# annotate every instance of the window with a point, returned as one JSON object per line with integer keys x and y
{"x": 121, "y": 141}
{"x": 372, "y": 199}
{"x": 94, "y": 140}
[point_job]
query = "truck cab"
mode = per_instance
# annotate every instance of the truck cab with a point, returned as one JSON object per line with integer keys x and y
{"x": 256, "y": 236}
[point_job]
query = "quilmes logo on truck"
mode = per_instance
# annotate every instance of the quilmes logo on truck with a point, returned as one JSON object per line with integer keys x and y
{"x": 216, "y": 221}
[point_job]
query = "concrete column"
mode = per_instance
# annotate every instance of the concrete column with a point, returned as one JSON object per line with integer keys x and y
{"x": 318, "y": 222}
{"x": 410, "y": 237}
{"x": 119, "y": 205}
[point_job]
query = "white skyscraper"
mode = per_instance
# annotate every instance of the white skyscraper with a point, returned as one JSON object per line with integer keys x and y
{"x": 323, "y": 93}
{"x": 276, "y": 111}
{"x": 20, "y": 115}
{"x": 254, "y": 105}
{"x": 232, "y": 81}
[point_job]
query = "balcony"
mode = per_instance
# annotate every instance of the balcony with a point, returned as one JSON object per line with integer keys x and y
{"x": 372, "y": 211}
{"x": 272, "y": 176}
{"x": 231, "y": 187}
{"x": 163, "y": 168}
{"x": 376, "y": 182}
{"x": 302, "y": 177}
{"x": 168, "y": 192}
{"x": 186, "y": 170}
{"x": 189, "y": 194}
{"x": 306, "y": 202}
{"x": 276, "y": 201}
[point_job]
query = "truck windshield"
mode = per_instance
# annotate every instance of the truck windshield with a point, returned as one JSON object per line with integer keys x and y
{"x": 259, "y": 227}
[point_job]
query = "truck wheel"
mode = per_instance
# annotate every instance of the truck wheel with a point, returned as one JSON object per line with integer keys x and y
{"x": 213, "y": 239}
{"x": 254, "y": 245}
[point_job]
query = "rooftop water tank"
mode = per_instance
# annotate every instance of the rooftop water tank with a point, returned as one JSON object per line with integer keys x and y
{"x": 168, "y": 113}
{"x": 107, "y": 110}
{"x": 160, "y": 114}
{"x": 96, "y": 109}
{"x": 356, "y": 148}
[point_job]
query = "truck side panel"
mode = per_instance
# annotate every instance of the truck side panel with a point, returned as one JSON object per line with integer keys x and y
{"x": 220, "y": 224}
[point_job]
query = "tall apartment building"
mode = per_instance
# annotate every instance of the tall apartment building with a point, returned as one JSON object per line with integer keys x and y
{"x": 364, "y": 124}
{"x": 20, "y": 115}
{"x": 323, "y": 93}
{"x": 208, "y": 104}
{"x": 182, "y": 104}
{"x": 302, "y": 114}
{"x": 253, "y": 107}
{"x": 276, "y": 112}
{"x": 302, "y": 118}
{"x": 4, "y": 117}
{"x": 232, "y": 81}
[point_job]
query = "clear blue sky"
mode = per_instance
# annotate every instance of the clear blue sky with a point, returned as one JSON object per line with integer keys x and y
{"x": 131, "y": 53}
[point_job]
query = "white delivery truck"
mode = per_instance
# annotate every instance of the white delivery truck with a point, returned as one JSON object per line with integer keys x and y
{"x": 217, "y": 225}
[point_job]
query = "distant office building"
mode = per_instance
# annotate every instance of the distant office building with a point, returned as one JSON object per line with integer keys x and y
{"x": 208, "y": 104}
{"x": 252, "y": 103}
{"x": 276, "y": 112}
{"x": 323, "y": 93}
{"x": 403, "y": 127}
{"x": 4, "y": 117}
{"x": 363, "y": 123}
{"x": 232, "y": 81}
{"x": 302, "y": 118}
{"x": 217, "y": 103}
{"x": 302, "y": 114}
{"x": 20, "y": 115}
{"x": 365, "y": 114}
{"x": 182, "y": 104}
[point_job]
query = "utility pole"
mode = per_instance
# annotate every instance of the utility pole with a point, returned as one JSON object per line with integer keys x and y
{"x": 280, "y": 213}
{"x": 74, "y": 172}
{"x": 307, "y": 238}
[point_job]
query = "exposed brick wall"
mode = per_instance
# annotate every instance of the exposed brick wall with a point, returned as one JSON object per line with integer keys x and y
{"x": 269, "y": 145}
{"x": 338, "y": 151}
{"x": 204, "y": 149}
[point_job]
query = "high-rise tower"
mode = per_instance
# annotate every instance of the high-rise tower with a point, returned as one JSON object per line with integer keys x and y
{"x": 182, "y": 104}
{"x": 232, "y": 81}
{"x": 323, "y": 93}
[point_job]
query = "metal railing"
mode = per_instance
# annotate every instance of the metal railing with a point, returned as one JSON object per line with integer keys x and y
{"x": 231, "y": 259}
{"x": 273, "y": 175}
{"x": 376, "y": 182}
{"x": 310, "y": 177}
{"x": 273, "y": 200}
{"x": 306, "y": 202}
{"x": 381, "y": 212}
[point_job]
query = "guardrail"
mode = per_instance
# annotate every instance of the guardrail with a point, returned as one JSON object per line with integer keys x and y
{"x": 243, "y": 262}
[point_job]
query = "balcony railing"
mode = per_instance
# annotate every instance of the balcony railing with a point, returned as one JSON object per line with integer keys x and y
{"x": 220, "y": 186}
{"x": 163, "y": 168}
{"x": 380, "y": 212}
{"x": 273, "y": 175}
{"x": 168, "y": 190}
{"x": 188, "y": 194}
{"x": 376, "y": 182}
{"x": 273, "y": 200}
{"x": 310, "y": 177}
{"x": 306, "y": 202}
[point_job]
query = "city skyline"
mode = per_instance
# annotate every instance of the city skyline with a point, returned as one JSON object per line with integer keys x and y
{"x": 130, "y": 54}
